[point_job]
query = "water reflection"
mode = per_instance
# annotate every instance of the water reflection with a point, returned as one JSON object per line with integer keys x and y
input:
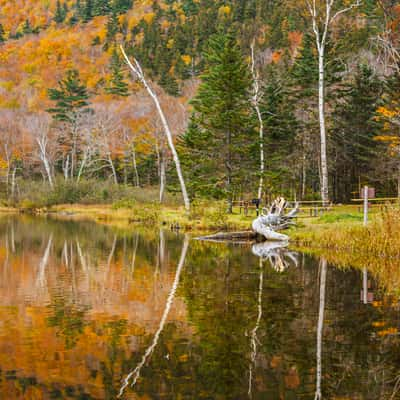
{"x": 87, "y": 311}
{"x": 279, "y": 256}
{"x": 134, "y": 375}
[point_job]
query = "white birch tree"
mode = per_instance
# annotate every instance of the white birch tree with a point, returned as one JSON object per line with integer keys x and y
{"x": 256, "y": 100}
{"x": 39, "y": 127}
{"x": 138, "y": 72}
{"x": 323, "y": 13}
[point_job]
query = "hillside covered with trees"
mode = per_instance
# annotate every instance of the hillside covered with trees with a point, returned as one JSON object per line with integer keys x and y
{"x": 263, "y": 97}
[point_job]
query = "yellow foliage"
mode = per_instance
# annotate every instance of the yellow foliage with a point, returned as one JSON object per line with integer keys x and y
{"x": 186, "y": 59}
{"x": 149, "y": 17}
{"x": 170, "y": 44}
{"x": 224, "y": 11}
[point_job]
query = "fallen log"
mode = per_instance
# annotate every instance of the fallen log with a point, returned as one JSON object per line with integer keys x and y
{"x": 232, "y": 236}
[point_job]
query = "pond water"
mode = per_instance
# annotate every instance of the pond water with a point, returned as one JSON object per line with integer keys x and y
{"x": 88, "y": 312}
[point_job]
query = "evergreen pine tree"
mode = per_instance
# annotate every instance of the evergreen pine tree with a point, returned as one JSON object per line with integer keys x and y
{"x": 354, "y": 131}
{"x": 112, "y": 29}
{"x": 2, "y": 34}
{"x": 118, "y": 86}
{"x": 101, "y": 7}
{"x": 122, "y": 6}
{"x": 60, "y": 13}
{"x": 220, "y": 130}
{"x": 88, "y": 11}
{"x": 70, "y": 97}
{"x": 27, "y": 28}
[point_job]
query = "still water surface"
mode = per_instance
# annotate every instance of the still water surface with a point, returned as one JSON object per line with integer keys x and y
{"x": 87, "y": 312}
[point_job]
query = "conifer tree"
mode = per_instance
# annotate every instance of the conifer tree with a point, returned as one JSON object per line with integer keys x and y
{"x": 122, "y": 6}
{"x": 220, "y": 130}
{"x": 354, "y": 130}
{"x": 61, "y": 12}
{"x": 88, "y": 11}
{"x": 101, "y": 7}
{"x": 70, "y": 97}
{"x": 112, "y": 29}
{"x": 118, "y": 86}
{"x": 2, "y": 34}
{"x": 27, "y": 28}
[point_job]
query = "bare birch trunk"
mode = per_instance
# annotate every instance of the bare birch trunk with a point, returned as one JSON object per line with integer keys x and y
{"x": 14, "y": 172}
{"x": 114, "y": 172}
{"x": 322, "y": 125}
{"x": 66, "y": 168}
{"x": 137, "y": 70}
{"x": 135, "y": 170}
{"x": 163, "y": 176}
{"x": 255, "y": 100}
{"x": 321, "y": 22}
{"x": 82, "y": 166}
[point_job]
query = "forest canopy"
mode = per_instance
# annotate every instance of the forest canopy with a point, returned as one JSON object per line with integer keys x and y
{"x": 70, "y": 110}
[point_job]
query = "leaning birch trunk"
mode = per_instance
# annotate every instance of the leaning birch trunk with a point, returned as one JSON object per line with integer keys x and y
{"x": 320, "y": 25}
{"x": 138, "y": 72}
{"x": 255, "y": 101}
{"x": 163, "y": 176}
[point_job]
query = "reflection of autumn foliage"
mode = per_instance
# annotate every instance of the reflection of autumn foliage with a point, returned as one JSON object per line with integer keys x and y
{"x": 92, "y": 312}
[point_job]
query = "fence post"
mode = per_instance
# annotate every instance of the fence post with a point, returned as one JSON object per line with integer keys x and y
{"x": 365, "y": 205}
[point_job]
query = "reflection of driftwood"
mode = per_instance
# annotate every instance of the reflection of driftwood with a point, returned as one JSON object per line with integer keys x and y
{"x": 279, "y": 257}
{"x": 133, "y": 376}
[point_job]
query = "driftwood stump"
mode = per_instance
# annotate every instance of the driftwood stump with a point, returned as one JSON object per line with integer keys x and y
{"x": 265, "y": 226}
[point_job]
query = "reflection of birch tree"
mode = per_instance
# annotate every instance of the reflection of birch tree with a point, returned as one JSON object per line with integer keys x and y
{"x": 253, "y": 336}
{"x": 133, "y": 376}
{"x": 320, "y": 327}
{"x": 41, "y": 276}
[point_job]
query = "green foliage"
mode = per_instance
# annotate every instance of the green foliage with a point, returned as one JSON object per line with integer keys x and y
{"x": 2, "y": 34}
{"x": 70, "y": 97}
{"x": 112, "y": 29}
{"x": 117, "y": 85}
{"x": 220, "y": 131}
{"x": 61, "y": 12}
{"x": 354, "y": 130}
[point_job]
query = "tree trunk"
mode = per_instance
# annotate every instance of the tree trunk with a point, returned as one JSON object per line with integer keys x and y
{"x": 82, "y": 166}
{"x": 114, "y": 172}
{"x": 321, "y": 109}
{"x": 163, "y": 176}
{"x": 137, "y": 70}
{"x": 256, "y": 95}
{"x": 48, "y": 171}
{"x": 14, "y": 172}
{"x": 135, "y": 170}
{"x": 66, "y": 167}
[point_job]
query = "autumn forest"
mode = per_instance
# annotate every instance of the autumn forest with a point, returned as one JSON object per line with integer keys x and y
{"x": 232, "y": 77}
